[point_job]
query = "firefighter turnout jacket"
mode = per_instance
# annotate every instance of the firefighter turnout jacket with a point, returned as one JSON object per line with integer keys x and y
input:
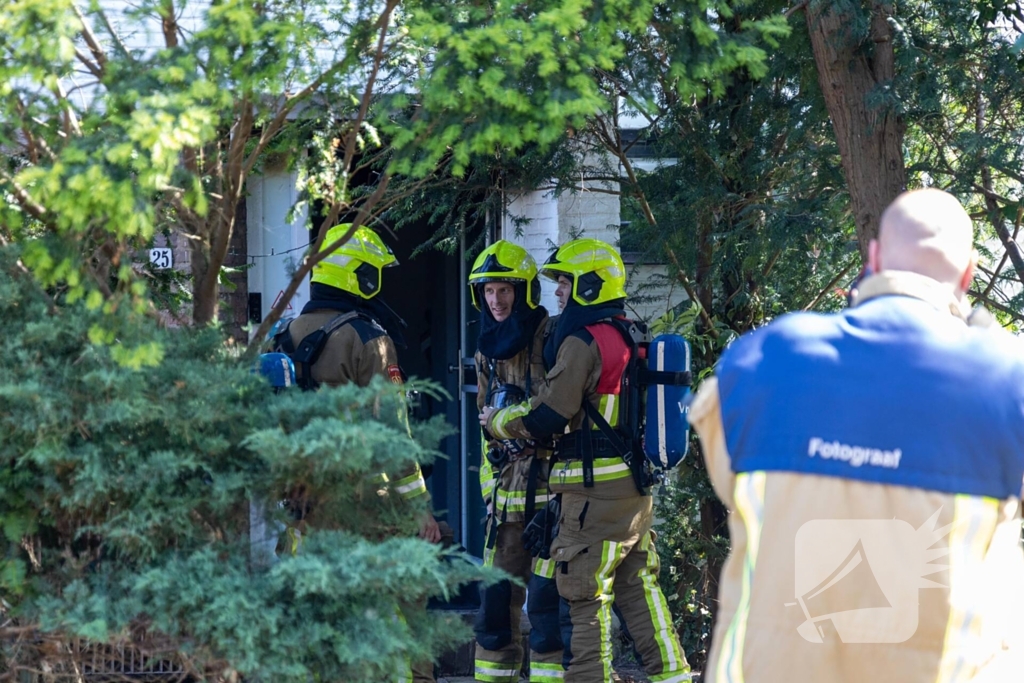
{"x": 872, "y": 461}
{"x": 604, "y": 550}
{"x": 508, "y": 492}
{"x": 505, "y": 491}
{"x": 357, "y": 352}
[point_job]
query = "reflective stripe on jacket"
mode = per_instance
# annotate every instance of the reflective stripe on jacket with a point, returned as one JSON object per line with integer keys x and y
{"x": 506, "y": 490}
{"x": 556, "y": 409}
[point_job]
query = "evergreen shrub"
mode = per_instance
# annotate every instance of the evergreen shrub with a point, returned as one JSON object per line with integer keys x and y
{"x": 124, "y": 507}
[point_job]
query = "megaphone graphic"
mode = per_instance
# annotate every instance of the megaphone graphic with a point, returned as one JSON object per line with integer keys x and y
{"x": 851, "y": 586}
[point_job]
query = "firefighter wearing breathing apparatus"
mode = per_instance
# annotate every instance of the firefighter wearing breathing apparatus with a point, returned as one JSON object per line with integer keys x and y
{"x": 604, "y": 550}
{"x": 513, "y": 477}
{"x": 358, "y": 346}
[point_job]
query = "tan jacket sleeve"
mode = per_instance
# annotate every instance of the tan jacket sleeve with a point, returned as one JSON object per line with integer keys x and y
{"x": 574, "y": 375}
{"x": 483, "y": 378}
{"x": 706, "y": 418}
{"x": 378, "y": 357}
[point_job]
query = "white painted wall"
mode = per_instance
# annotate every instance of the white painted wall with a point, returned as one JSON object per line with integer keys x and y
{"x": 275, "y": 244}
{"x": 555, "y": 220}
{"x": 590, "y": 213}
{"x": 539, "y": 237}
{"x": 651, "y": 294}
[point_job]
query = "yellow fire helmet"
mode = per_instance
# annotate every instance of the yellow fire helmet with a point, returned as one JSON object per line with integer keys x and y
{"x": 504, "y": 261}
{"x": 595, "y": 268}
{"x": 355, "y": 266}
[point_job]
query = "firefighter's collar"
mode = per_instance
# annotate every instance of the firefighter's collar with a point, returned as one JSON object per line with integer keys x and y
{"x": 905, "y": 283}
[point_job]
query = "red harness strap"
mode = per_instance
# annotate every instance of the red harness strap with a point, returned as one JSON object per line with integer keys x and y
{"x": 614, "y": 357}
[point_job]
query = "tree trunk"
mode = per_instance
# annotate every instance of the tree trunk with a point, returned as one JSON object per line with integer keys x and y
{"x": 852, "y": 71}
{"x": 204, "y": 286}
{"x": 207, "y": 258}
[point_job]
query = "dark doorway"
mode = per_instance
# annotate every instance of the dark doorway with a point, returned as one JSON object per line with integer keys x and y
{"x": 428, "y": 291}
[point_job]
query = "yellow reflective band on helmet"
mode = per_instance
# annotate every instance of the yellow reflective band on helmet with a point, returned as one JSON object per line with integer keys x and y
{"x": 354, "y": 267}
{"x": 501, "y": 418}
{"x": 411, "y": 486}
{"x": 605, "y": 469}
{"x": 495, "y": 672}
{"x": 504, "y": 261}
{"x": 541, "y": 672}
{"x": 597, "y": 272}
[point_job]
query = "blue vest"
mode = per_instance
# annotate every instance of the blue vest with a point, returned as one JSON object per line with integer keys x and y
{"x": 893, "y": 391}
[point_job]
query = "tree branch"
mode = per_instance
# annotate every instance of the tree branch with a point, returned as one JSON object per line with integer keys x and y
{"x": 316, "y": 253}
{"x": 93, "y": 68}
{"x": 828, "y": 288}
{"x": 795, "y": 8}
{"x": 364, "y": 105}
{"x": 1006, "y": 253}
{"x": 691, "y": 292}
{"x": 98, "y": 54}
{"x": 169, "y": 24}
{"x": 24, "y": 199}
{"x": 114, "y": 36}
{"x": 272, "y": 128}
{"x": 995, "y": 304}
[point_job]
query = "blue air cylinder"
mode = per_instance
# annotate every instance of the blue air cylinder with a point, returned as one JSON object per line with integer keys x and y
{"x": 667, "y": 430}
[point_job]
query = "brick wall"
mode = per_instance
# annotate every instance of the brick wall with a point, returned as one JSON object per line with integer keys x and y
{"x": 234, "y": 302}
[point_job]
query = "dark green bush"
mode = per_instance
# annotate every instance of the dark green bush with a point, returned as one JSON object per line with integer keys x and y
{"x": 124, "y": 506}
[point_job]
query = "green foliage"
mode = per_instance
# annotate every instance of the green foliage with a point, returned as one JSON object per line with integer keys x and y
{"x": 960, "y": 83}
{"x": 505, "y": 74}
{"x": 691, "y": 552}
{"x": 749, "y": 210}
{"x": 118, "y": 125}
{"x": 125, "y": 492}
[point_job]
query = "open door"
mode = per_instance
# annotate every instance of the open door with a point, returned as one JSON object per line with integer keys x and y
{"x": 428, "y": 291}
{"x": 470, "y": 453}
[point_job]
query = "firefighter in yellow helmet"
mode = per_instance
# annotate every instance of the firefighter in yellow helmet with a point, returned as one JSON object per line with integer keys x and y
{"x": 514, "y": 472}
{"x": 604, "y": 549}
{"x": 344, "y": 304}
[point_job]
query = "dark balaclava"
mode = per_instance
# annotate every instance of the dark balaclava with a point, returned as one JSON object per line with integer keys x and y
{"x": 503, "y": 340}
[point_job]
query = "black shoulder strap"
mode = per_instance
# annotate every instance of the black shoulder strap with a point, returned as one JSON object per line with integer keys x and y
{"x": 283, "y": 339}
{"x": 312, "y": 345}
{"x": 634, "y": 462}
{"x": 666, "y": 377}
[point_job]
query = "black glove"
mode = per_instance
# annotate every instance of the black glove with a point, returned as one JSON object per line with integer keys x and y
{"x": 542, "y": 529}
{"x": 497, "y": 457}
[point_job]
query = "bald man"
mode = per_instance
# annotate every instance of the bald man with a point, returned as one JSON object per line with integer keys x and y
{"x": 872, "y": 462}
